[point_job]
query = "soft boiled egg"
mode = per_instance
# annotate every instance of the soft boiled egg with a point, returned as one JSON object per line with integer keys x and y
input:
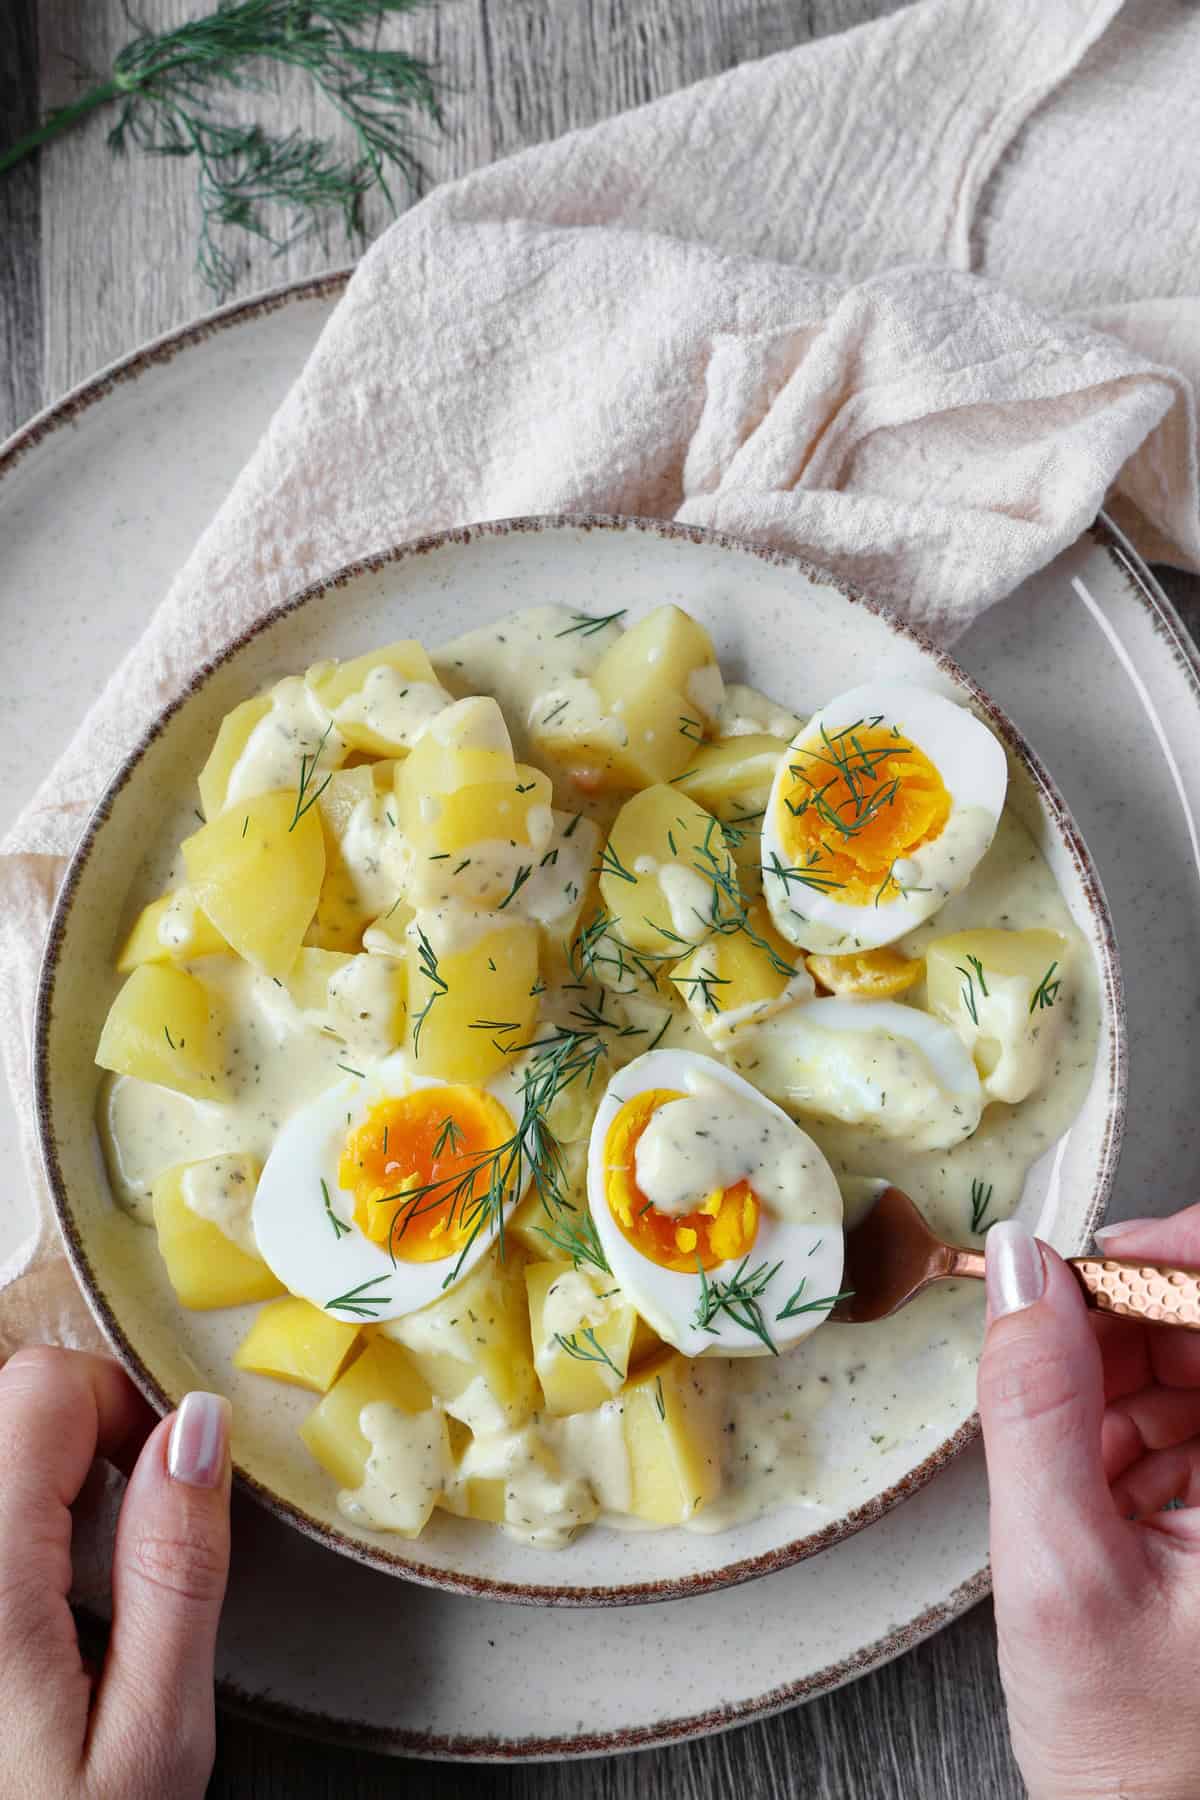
{"x": 881, "y": 809}
{"x": 719, "y": 1218}
{"x": 376, "y": 1196}
{"x": 878, "y": 1064}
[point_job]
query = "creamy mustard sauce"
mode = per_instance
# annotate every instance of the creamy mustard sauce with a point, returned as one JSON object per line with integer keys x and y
{"x": 392, "y": 705}
{"x": 221, "y": 1190}
{"x": 809, "y": 1427}
{"x": 712, "y": 1139}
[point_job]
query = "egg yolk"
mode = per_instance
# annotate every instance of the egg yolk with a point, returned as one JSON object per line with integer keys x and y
{"x": 860, "y": 801}
{"x": 420, "y": 1169}
{"x": 722, "y": 1227}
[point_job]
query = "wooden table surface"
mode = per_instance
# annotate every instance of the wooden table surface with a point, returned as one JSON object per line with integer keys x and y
{"x": 97, "y": 257}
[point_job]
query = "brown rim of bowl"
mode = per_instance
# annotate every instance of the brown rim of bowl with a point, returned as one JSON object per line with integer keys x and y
{"x": 385, "y": 1560}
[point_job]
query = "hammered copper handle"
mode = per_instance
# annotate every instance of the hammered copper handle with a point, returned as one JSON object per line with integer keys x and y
{"x": 1156, "y": 1292}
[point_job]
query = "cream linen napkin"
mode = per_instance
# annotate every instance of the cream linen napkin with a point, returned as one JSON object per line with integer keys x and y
{"x": 748, "y": 306}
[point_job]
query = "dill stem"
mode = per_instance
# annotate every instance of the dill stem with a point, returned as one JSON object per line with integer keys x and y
{"x": 60, "y": 120}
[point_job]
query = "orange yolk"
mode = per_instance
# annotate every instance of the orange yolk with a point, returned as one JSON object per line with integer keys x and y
{"x": 859, "y": 801}
{"x": 419, "y": 1168}
{"x": 722, "y": 1227}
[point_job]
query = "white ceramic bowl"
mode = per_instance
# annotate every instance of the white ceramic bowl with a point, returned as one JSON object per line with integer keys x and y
{"x": 776, "y": 623}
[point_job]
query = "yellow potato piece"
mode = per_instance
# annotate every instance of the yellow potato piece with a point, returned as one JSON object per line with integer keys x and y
{"x": 309, "y": 977}
{"x": 171, "y": 929}
{"x": 293, "y": 1341}
{"x": 673, "y": 1444}
{"x": 581, "y": 1343}
{"x": 471, "y": 1009}
{"x": 870, "y": 974}
{"x": 736, "y": 979}
{"x": 257, "y": 871}
{"x": 478, "y": 1497}
{"x": 481, "y": 843}
{"x": 468, "y": 743}
{"x": 335, "y": 683}
{"x": 165, "y": 1026}
{"x": 231, "y": 740}
{"x": 719, "y": 774}
{"x": 661, "y": 680}
{"x": 343, "y": 907}
{"x": 666, "y": 875}
{"x": 203, "y": 1266}
{"x": 472, "y": 1346}
{"x": 331, "y": 1431}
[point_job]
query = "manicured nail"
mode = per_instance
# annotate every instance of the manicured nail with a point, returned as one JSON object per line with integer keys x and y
{"x": 199, "y": 1445}
{"x": 1106, "y": 1232}
{"x": 1016, "y": 1274}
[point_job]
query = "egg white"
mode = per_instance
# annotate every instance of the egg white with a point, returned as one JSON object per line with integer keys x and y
{"x": 295, "y": 1237}
{"x": 667, "y": 1298}
{"x": 823, "y": 1057}
{"x": 972, "y": 765}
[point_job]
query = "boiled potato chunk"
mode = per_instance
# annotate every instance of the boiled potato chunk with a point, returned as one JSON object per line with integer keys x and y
{"x": 582, "y": 1335}
{"x": 231, "y": 740}
{"x": 472, "y": 1345}
{"x": 469, "y": 743}
{"x": 358, "y": 816}
{"x": 381, "y": 1375}
{"x": 309, "y": 977}
{"x": 381, "y": 701}
{"x": 482, "y": 843}
{"x": 666, "y": 873}
{"x": 673, "y": 1441}
{"x": 471, "y": 998}
{"x": 1006, "y": 993}
{"x": 661, "y": 680}
{"x": 736, "y": 979}
{"x": 296, "y": 1342}
{"x": 257, "y": 871}
{"x": 718, "y": 775}
{"x": 868, "y": 975}
{"x": 170, "y": 929}
{"x": 165, "y": 1026}
{"x": 204, "y": 1266}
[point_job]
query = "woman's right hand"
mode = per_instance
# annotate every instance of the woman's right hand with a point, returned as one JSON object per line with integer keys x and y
{"x": 1092, "y": 1426}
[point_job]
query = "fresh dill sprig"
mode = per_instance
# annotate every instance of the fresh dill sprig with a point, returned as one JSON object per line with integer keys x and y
{"x": 359, "y": 1301}
{"x": 660, "y": 1402}
{"x": 427, "y": 958}
{"x": 981, "y": 1199}
{"x": 340, "y": 1227}
{"x": 740, "y": 1298}
{"x": 448, "y": 1133}
{"x": 585, "y": 625}
{"x": 170, "y": 87}
{"x": 795, "y": 1304}
{"x": 611, "y": 864}
{"x": 967, "y": 992}
{"x": 522, "y": 875}
{"x": 1046, "y": 992}
{"x": 308, "y": 766}
{"x": 979, "y": 975}
{"x": 592, "y": 1350}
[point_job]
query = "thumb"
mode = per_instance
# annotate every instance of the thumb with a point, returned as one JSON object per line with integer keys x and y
{"x": 154, "y": 1724}
{"x": 1041, "y": 1402}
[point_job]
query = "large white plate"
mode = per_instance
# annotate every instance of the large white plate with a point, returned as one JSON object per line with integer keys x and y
{"x": 95, "y": 513}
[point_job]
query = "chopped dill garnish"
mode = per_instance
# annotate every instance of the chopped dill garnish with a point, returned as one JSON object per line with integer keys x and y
{"x": 978, "y": 968}
{"x": 245, "y": 824}
{"x": 795, "y": 1304}
{"x": 527, "y": 788}
{"x": 591, "y": 1350}
{"x": 692, "y": 729}
{"x": 358, "y": 1301}
{"x": 571, "y": 827}
{"x": 429, "y": 968}
{"x": 968, "y": 992}
{"x": 1046, "y": 992}
{"x": 611, "y": 864}
{"x": 524, "y": 871}
{"x": 585, "y": 625}
{"x": 740, "y": 1298}
{"x": 555, "y": 710}
{"x": 981, "y": 1199}
{"x": 340, "y": 1227}
{"x": 550, "y": 858}
{"x": 660, "y": 1401}
{"x": 308, "y": 765}
{"x": 448, "y": 1133}
{"x": 351, "y": 1071}
{"x": 169, "y": 1038}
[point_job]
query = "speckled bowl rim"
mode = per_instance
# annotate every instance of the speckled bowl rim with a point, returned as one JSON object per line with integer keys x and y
{"x": 387, "y": 1560}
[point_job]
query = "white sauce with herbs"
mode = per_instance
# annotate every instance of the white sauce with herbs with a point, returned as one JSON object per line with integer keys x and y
{"x": 406, "y": 1470}
{"x": 810, "y": 1427}
{"x": 713, "y": 1139}
{"x": 391, "y": 705}
{"x": 220, "y": 1190}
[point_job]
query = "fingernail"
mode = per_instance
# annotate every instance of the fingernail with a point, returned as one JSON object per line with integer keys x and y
{"x": 1016, "y": 1274}
{"x": 1111, "y": 1231}
{"x": 199, "y": 1445}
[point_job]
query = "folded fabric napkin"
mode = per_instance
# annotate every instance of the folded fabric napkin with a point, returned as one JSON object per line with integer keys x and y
{"x": 750, "y": 306}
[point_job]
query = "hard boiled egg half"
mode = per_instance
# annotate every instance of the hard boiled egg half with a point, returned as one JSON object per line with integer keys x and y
{"x": 881, "y": 809}
{"x": 378, "y": 1196}
{"x": 719, "y": 1218}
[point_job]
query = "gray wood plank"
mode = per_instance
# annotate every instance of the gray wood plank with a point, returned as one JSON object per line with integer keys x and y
{"x": 21, "y": 336}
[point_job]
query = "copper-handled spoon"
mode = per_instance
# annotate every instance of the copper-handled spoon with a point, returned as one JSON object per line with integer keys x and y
{"x": 892, "y": 1255}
